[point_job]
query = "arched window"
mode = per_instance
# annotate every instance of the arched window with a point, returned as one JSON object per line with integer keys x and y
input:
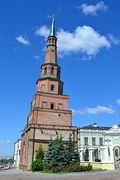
{"x": 52, "y": 106}
{"x": 86, "y": 140}
{"x": 116, "y": 152}
{"x": 45, "y": 70}
{"x": 52, "y": 70}
{"x": 52, "y": 87}
{"x": 86, "y": 155}
{"x": 93, "y": 141}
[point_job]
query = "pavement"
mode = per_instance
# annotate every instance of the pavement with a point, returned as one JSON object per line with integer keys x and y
{"x": 22, "y": 175}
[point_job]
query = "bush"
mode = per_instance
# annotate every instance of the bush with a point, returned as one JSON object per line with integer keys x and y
{"x": 89, "y": 167}
{"x": 37, "y": 165}
{"x": 97, "y": 160}
{"x": 71, "y": 168}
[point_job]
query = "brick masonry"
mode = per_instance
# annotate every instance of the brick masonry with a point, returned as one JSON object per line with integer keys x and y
{"x": 49, "y": 115}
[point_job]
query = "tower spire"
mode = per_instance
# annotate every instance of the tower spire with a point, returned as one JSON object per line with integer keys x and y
{"x": 52, "y": 32}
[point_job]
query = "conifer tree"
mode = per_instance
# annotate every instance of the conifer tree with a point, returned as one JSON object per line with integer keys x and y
{"x": 37, "y": 165}
{"x": 48, "y": 157}
{"x": 59, "y": 157}
{"x": 72, "y": 154}
{"x": 39, "y": 153}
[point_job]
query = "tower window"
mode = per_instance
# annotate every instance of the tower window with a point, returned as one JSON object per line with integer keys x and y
{"x": 44, "y": 104}
{"x": 45, "y": 70}
{"x": 52, "y": 105}
{"x": 52, "y": 70}
{"x": 42, "y": 87}
{"x": 60, "y": 106}
{"x": 52, "y": 87}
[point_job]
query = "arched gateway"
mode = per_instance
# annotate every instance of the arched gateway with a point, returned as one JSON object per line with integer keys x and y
{"x": 116, "y": 155}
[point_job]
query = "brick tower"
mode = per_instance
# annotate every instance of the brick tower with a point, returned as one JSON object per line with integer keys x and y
{"x": 49, "y": 115}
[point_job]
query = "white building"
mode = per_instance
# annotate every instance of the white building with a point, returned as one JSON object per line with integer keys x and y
{"x": 17, "y": 147}
{"x": 99, "y": 146}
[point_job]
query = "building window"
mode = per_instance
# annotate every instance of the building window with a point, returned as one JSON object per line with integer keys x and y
{"x": 116, "y": 152}
{"x": 52, "y": 87}
{"x": 52, "y": 70}
{"x": 58, "y": 74}
{"x": 86, "y": 155}
{"x": 96, "y": 155}
{"x": 93, "y": 141}
{"x": 52, "y": 106}
{"x": 45, "y": 70}
{"x": 86, "y": 140}
{"x": 60, "y": 106}
{"x": 44, "y": 104}
{"x": 101, "y": 141}
{"x": 42, "y": 87}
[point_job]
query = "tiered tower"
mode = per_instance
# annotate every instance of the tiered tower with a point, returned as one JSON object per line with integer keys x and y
{"x": 49, "y": 116}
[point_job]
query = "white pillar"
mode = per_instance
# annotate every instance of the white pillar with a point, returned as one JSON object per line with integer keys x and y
{"x": 81, "y": 154}
{"x": 91, "y": 154}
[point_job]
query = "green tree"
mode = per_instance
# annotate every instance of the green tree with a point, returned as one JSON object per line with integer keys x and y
{"x": 58, "y": 153}
{"x": 48, "y": 157}
{"x": 39, "y": 153}
{"x": 72, "y": 155}
{"x": 37, "y": 165}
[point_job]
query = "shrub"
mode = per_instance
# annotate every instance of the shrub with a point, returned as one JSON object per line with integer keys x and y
{"x": 97, "y": 160}
{"x": 71, "y": 168}
{"x": 89, "y": 167}
{"x": 37, "y": 165}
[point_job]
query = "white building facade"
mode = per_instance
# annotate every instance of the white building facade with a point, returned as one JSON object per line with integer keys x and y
{"x": 17, "y": 147}
{"x": 100, "y": 146}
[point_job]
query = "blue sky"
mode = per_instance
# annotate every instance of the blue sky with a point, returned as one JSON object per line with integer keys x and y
{"x": 88, "y": 35}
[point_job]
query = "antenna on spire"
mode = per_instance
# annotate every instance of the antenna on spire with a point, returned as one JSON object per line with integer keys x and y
{"x": 52, "y": 32}
{"x": 53, "y": 16}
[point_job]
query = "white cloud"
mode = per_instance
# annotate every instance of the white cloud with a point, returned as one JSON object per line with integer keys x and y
{"x": 94, "y": 110}
{"x": 113, "y": 39}
{"x": 6, "y": 142}
{"x": 23, "y": 40}
{"x": 42, "y": 31}
{"x": 83, "y": 40}
{"x": 93, "y": 9}
{"x": 37, "y": 57}
{"x": 118, "y": 101}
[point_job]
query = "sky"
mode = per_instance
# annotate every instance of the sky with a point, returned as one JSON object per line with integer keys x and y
{"x": 88, "y": 34}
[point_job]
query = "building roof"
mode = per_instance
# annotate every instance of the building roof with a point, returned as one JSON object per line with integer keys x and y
{"x": 95, "y": 127}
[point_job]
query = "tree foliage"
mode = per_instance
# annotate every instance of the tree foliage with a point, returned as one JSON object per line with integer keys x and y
{"x": 48, "y": 155}
{"x": 37, "y": 165}
{"x": 59, "y": 154}
{"x": 72, "y": 155}
{"x": 39, "y": 153}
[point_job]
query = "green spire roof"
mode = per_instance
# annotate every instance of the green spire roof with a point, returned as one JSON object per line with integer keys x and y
{"x": 52, "y": 32}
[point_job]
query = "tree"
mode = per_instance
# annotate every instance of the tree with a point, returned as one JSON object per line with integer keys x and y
{"x": 39, "y": 153}
{"x": 49, "y": 155}
{"x": 72, "y": 154}
{"x": 58, "y": 153}
{"x": 37, "y": 165}
{"x": 55, "y": 155}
